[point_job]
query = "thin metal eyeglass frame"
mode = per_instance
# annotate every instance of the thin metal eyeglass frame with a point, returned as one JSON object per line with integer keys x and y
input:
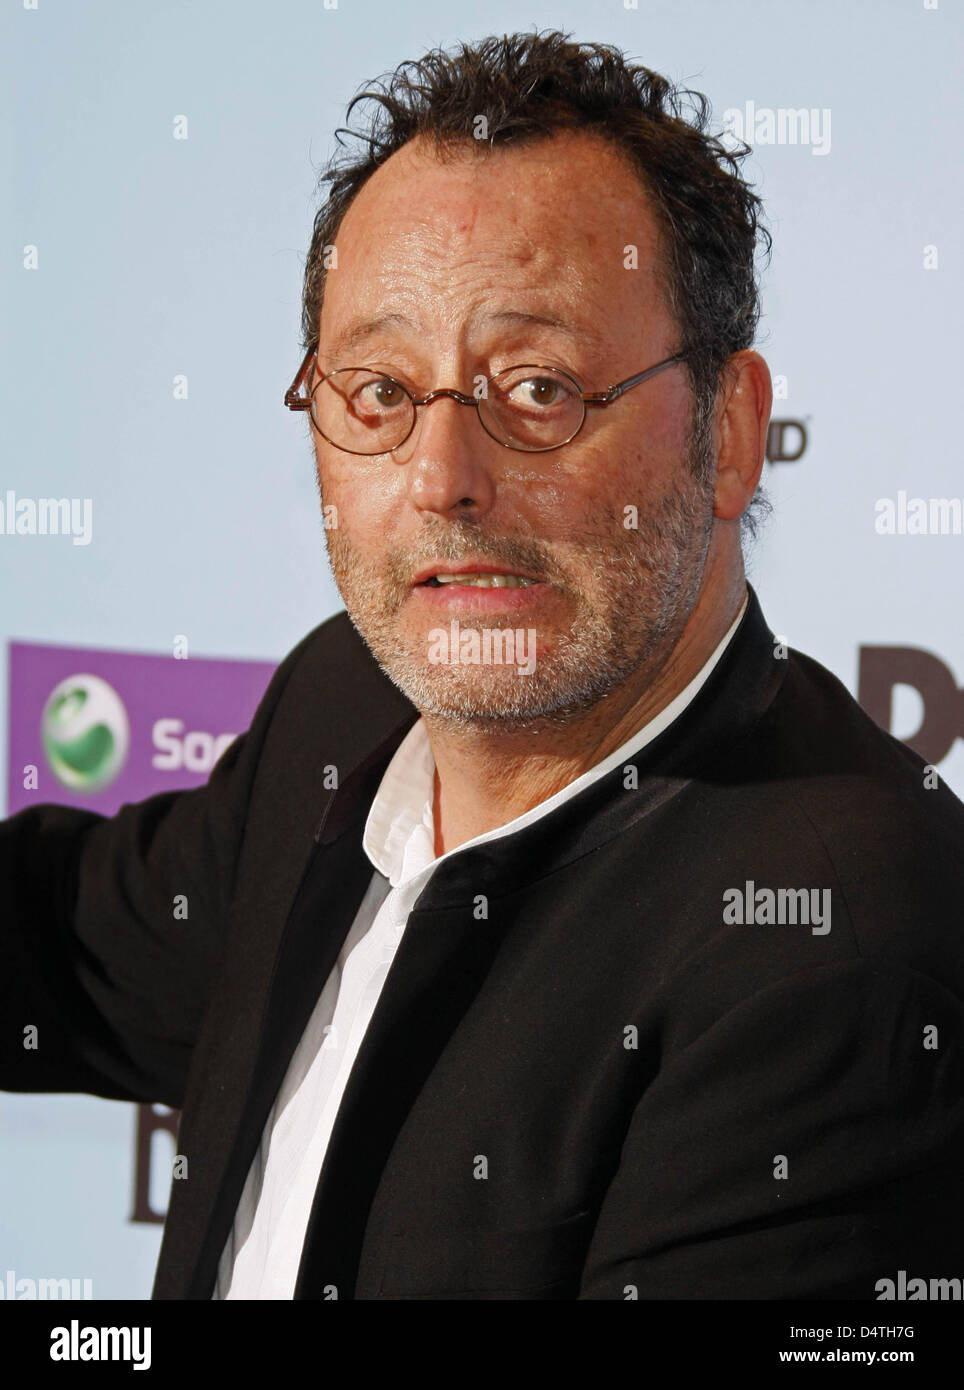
{"x": 294, "y": 400}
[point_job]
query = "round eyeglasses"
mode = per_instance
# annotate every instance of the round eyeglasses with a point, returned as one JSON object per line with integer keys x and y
{"x": 530, "y": 407}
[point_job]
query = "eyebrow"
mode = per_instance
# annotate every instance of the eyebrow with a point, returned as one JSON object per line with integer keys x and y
{"x": 514, "y": 317}
{"x": 357, "y": 334}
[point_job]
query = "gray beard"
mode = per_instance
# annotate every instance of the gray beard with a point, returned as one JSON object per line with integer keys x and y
{"x": 648, "y": 580}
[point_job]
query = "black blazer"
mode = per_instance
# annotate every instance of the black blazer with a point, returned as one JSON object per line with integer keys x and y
{"x": 580, "y": 1081}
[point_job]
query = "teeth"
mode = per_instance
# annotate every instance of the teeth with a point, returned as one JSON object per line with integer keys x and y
{"x": 486, "y": 581}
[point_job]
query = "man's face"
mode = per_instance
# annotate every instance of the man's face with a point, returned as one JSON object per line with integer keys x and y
{"x": 614, "y": 526}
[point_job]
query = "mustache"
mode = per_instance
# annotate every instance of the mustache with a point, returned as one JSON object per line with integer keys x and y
{"x": 613, "y": 550}
{"x": 452, "y": 548}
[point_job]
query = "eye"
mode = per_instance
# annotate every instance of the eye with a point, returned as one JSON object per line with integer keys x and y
{"x": 542, "y": 391}
{"x": 378, "y": 394}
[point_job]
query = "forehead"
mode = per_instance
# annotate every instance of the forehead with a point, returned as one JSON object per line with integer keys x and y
{"x": 561, "y": 228}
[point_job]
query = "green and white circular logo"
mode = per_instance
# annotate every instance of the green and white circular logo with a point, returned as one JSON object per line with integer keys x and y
{"x": 85, "y": 733}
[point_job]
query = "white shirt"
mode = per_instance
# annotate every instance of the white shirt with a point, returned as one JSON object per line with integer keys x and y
{"x": 262, "y": 1255}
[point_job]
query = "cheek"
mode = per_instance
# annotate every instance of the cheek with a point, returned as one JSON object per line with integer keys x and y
{"x": 536, "y": 497}
{"x": 364, "y": 494}
{"x": 642, "y": 460}
{"x": 587, "y": 487}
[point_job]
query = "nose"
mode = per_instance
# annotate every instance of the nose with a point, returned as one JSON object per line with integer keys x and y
{"x": 448, "y": 458}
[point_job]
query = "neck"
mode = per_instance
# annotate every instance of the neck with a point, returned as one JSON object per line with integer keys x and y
{"x": 485, "y": 779}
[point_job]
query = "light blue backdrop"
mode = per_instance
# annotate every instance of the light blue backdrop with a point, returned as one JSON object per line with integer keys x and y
{"x": 159, "y": 257}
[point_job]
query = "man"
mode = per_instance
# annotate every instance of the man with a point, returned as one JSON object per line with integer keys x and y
{"x": 554, "y": 932}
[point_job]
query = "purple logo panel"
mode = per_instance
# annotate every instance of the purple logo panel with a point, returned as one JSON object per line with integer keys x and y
{"x": 95, "y": 728}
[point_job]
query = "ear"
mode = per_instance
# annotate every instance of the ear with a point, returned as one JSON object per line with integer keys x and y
{"x": 743, "y": 415}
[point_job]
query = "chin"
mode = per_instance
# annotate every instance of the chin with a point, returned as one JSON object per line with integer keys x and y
{"x": 501, "y": 701}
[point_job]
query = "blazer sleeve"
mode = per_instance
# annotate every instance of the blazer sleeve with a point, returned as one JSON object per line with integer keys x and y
{"x": 111, "y": 929}
{"x": 808, "y": 1144}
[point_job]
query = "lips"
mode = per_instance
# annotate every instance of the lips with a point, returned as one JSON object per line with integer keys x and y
{"x": 481, "y": 581}
{"x": 472, "y": 574}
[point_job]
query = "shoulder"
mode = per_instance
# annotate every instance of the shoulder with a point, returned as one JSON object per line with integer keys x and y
{"x": 858, "y": 784}
{"x": 329, "y": 697}
{"x": 833, "y": 788}
{"x": 332, "y": 664}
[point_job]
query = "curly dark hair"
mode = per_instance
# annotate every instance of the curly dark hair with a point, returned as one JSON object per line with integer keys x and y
{"x": 529, "y": 86}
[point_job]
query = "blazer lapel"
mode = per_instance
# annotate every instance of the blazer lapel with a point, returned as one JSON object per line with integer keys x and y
{"x": 439, "y": 967}
{"x": 337, "y": 708}
{"x": 325, "y": 905}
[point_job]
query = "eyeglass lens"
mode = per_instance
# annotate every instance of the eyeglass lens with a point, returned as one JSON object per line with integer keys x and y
{"x": 369, "y": 413}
